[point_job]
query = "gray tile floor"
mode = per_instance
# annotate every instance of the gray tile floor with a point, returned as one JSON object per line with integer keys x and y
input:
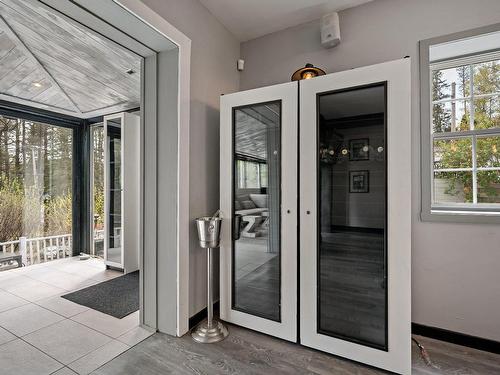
{"x": 248, "y": 352}
{"x": 42, "y": 333}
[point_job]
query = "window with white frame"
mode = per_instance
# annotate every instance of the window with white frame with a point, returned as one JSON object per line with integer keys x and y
{"x": 465, "y": 133}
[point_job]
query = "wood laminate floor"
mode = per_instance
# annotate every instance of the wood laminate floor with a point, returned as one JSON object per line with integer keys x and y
{"x": 252, "y": 353}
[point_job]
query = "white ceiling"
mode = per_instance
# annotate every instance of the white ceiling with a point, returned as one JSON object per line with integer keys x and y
{"x": 249, "y": 19}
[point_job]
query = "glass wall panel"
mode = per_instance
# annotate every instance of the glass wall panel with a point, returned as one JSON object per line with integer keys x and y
{"x": 256, "y": 199}
{"x": 36, "y": 186}
{"x": 352, "y": 232}
{"x": 97, "y": 133}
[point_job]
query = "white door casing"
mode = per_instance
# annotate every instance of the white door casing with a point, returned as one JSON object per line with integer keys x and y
{"x": 287, "y": 94}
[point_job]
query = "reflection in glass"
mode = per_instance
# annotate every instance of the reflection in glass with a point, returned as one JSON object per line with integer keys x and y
{"x": 256, "y": 197}
{"x": 352, "y": 287}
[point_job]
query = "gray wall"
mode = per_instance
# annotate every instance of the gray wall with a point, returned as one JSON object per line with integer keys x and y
{"x": 213, "y": 72}
{"x": 455, "y": 266}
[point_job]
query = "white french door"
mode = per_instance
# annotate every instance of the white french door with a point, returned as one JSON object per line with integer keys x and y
{"x": 355, "y": 224}
{"x": 355, "y": 205}
{"x": 258, "y": 184}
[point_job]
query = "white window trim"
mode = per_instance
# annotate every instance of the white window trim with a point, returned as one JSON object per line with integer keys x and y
{"x": 468, "y": 212}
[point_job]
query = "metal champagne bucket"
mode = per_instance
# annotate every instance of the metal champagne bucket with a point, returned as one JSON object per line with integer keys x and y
{"x": 210, "y": 330}
{"x": 209, "y": 231}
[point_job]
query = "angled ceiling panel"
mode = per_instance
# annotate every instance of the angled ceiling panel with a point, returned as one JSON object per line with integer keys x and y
{"x": 54, "y": 63}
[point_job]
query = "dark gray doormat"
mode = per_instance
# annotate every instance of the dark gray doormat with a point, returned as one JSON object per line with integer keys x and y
{"x": 118, "y": 297}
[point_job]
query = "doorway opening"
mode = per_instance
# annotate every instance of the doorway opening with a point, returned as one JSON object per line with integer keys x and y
{"x": 82, "y": 94}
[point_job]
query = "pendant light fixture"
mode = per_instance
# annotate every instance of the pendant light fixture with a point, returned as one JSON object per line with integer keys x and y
{"x": 307, "y": 72}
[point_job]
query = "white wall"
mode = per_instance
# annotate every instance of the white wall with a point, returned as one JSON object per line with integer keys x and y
{"x": 214, "y": 52}
{"x": 456, "y": 267}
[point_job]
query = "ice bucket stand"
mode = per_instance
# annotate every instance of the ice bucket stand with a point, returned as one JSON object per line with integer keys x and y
{"x": 209, "y": 330}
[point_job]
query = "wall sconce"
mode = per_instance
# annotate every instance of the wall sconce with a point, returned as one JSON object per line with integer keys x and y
{"x": 307, "y": 72}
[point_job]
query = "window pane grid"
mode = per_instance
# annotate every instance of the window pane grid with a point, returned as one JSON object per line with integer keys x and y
{"x": 465, "y": 105}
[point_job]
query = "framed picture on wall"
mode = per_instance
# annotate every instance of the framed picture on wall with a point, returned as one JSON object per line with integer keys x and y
{"x": 359, "y": 149}
{"x": 359, "y": 181}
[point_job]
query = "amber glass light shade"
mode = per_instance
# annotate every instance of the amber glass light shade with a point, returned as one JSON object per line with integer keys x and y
{"x": 307, "y": 72}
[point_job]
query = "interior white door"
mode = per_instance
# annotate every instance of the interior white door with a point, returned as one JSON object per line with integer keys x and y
{"x": 258, "y": 184}
{"x": 355, "y": 203}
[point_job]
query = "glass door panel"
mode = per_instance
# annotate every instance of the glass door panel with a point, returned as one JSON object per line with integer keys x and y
{"x": 97, "y": 189}
{"x": 256, "y": 199}
{"x": 352, "y": 293}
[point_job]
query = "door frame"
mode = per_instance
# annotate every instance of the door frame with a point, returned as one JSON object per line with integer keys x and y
{"x": 164, "y": 297}
{"x": 397, "y": 76}
{"x": 180, "y": 276}
{"x": 286, "y": 93}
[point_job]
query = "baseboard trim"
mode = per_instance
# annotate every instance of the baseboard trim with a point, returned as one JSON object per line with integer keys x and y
{"x": 456, "y": 338}
{"x": 199, "y": 316}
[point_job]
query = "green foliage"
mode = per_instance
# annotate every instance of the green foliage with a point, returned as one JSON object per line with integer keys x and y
{"x": 35, "y": 179}
{"x": 11, "y": 210}
{"x": 24, "y": 213}
{"x": 99, "y": 208}
{"x": 58, "y": 214}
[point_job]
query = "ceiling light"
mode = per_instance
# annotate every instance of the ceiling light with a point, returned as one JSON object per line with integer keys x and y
{"x": 37, "y": 84}
{"x": 307, "y": 72}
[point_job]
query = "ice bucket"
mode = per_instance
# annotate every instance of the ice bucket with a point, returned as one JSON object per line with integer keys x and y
{"x": 209, "y": 231}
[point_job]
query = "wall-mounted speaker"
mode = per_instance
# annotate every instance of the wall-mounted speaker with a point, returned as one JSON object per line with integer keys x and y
{"x": 330, "y": 30}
